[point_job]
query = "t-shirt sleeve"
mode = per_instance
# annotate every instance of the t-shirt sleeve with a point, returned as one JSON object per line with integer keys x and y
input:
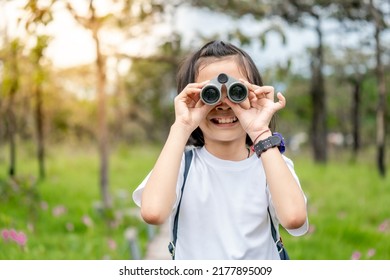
{"x": 137, "y": 194}
{"x": 304, "y": 228}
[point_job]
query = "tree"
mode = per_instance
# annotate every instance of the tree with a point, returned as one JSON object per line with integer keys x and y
{"x": 380, "y": 25}
{"x": 94, "y": 23}
{"x": 127, "y": 15}
{"x": 350, "y": 66}
{"x": 298, "y": 13}
{"x": 37, "y": 17}
{"x": 39, "y": 78}
{"x": 10, "y": 88}
{"x": 374, "y": 13}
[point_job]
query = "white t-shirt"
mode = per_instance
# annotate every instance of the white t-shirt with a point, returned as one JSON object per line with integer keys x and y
{"x": 223, "y": 213}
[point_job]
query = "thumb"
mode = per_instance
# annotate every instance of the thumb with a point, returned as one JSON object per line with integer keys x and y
{"x": 281, "y": 100}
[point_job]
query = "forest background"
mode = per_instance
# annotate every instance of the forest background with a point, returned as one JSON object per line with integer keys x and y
{"x": 82, "y": 125}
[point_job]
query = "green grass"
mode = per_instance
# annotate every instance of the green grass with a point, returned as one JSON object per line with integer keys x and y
{"x": 349, "y": 213}
{"x": 59, "y": 214}
{"x": 348, "y": 206}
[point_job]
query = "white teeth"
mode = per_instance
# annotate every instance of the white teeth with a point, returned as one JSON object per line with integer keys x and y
{"x": 226, "y": 120}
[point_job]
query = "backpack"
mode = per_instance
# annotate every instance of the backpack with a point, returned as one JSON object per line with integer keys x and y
{"x": 188, "y": 155}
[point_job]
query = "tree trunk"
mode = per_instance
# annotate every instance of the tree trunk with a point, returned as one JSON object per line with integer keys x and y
{"x": 10, "y": 116}
{"x": 381, "y": 109}
{"x": 102, "y": 123}
{"x": 356, "y": 116}
{"x": 93, "y": 23}
{"x": 40, "y": 132}
{"x": 11, "y": 131}
{"x": 317, "y": 93}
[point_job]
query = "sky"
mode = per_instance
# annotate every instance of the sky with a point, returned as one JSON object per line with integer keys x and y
{"x": 73, "y": 45}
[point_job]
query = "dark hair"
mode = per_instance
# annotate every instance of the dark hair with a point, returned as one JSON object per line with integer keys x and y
{"x": 210, "y": 52}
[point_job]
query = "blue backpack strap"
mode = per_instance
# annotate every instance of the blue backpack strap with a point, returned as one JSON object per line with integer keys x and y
{"x": 187, "y": 160}
{"x": 278, "y": 241}
{"x": 279, "y": 244}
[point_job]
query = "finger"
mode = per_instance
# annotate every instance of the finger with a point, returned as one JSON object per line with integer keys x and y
{"x": 188, "y": 98}
{"x": 265, "y": 91}
{"x": 251, "y": 87}
{"x": 281, "y": 100}
{"x": 246, "y": 104}
{"x": 192, "y": 88}
{"x": 194, "y": 94}
{"x": 251, "y": 96}
{"x": 191, "y": 100}
{"x": 259, "y": 91}
{"x": 197, "y": 85}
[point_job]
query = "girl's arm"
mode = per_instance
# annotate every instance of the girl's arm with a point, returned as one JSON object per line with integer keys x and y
{"x": 287, "y": 196}
{"x": 159, "y": 194}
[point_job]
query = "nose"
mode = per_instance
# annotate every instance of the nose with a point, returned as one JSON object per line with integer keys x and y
{"x": 222, "y": 105}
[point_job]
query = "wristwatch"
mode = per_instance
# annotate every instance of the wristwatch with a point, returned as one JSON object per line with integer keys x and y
{"x": 273, "y": 141}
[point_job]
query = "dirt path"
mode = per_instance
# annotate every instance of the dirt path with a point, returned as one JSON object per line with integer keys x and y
{"x": 158, "y": 247}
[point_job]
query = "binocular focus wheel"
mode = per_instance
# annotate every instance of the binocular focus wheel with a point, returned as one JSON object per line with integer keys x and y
{"x": 223, "y": 78}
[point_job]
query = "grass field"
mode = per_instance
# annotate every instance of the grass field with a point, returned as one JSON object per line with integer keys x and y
{"x": 349, "y": 211}
{"x": 58, "y": 218}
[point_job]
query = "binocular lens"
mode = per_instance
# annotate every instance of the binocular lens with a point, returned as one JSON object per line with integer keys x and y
{"x": 237, "y": 93}
{"x": 210, "y": 95}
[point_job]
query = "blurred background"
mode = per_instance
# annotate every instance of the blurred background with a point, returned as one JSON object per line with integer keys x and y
{"x": 86, "y": 103}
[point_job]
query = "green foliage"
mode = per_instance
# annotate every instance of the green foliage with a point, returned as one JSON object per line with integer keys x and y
{"x": 296, "y": 116}
{"x": 151, "y": 89}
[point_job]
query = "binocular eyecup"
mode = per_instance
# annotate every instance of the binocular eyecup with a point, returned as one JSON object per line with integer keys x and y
{"x": 211, "y": 93}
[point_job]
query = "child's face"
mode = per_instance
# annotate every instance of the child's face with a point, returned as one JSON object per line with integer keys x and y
{"x": 221, "y": 124}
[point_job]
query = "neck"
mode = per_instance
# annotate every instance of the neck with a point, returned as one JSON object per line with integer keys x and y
{"x": 234, "y": 151}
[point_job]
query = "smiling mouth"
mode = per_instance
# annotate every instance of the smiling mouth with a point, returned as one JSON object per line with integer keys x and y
{"x": 224, "y": 120}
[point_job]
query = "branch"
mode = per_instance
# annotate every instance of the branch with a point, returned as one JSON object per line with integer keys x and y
{"x": 155, "y": 58}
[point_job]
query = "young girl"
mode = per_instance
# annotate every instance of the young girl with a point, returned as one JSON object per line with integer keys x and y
{"x": 231, "y": 189}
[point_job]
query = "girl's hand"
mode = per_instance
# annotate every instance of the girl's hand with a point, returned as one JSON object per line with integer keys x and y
{"x": 189, "y": 108}
{"x": 256, "y": 116}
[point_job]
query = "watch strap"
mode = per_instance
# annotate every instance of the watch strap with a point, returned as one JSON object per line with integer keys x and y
{"x": 268, "y": 143}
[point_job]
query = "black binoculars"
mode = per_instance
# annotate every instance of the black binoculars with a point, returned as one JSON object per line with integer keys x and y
{"x": 211, "y": 93}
